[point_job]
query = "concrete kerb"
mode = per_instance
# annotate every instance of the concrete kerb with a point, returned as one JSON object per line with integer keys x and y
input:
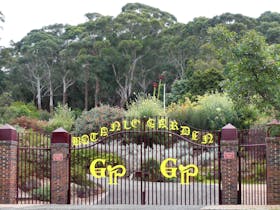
{"x": 141, "y": 207}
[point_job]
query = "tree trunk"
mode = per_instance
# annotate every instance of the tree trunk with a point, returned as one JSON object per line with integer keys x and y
{"x": 51, "y": 98}
{"x": 97, "y": 90}
{"x": 39, "y": 99}
{"x": 51, "y": 92}
{"x": 86, "y": 88}
{"x": 64, "y": 94}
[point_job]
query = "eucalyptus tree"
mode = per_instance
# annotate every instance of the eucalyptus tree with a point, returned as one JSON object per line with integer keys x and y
{"x": 37, "y": 52}
{"x": 134, "y": 28}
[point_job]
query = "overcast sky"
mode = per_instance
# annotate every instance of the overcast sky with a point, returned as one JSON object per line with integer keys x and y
{"x": 22, "y": 16}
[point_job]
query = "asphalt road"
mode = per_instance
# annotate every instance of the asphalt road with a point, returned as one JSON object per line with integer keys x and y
{"x": 133, "y": 192}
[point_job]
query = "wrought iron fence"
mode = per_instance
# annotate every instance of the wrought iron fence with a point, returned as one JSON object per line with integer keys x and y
{"x": 34, "y": 168}
{"x": 144, "y": 152}
{"x": 252, "y": 167}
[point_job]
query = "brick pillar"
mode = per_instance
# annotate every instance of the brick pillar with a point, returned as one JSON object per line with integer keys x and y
{"x": 273, "y": 167}
{"x": 8, "y": 165}
{"x": 60, "y": 141}
{"x": 229, "y": 164}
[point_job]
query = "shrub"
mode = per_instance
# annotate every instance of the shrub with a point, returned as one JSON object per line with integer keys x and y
{"x": 178, "y": 112}
{"x": 80, "y": 163}
{"x": 95, "y": 118}
{"x": 18, "y": 109}
{"x": 44, "y": 115}
{"x": 42, "y": 193}
{"x": 145, "y": 106}
{"x": 212, "y": 112}
{"x": 29, "y": 184}
{"x": 63, "y": 117}
{"x": 152, "y": 167}
{"x": 30, "y": 123}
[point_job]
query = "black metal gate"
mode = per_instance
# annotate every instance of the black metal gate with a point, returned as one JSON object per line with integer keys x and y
{"x": 252, "y": 167}
{"x": 155, "y": 162}
{"x": 34, "y": 168}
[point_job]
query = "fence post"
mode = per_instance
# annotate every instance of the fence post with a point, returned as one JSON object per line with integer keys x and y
{"x": 273, "y": 164}
{"x": 60, "y": 177}
{"x": 8, "y": 165}
{"x": 229, "y": 164}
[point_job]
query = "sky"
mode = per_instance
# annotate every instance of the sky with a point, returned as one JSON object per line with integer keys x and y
{"x": 22, "y": 16}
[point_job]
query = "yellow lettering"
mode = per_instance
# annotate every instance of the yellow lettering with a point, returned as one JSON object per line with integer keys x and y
{"x": 173, "y": 125}
{"x": 75, "y": 141}
{"x": 185, "y": 131}
{"x": 151, "y": 123}
{"x": 104, "y": 131}
{"x": 187, "y": 171}
{"x": 115, "y": 126}
{"x": 162, "y": 123}
{"x": 207, "y": 138}
{"x": 93, "y": 137}
{"x": 125, "y": 125}
{"x": 168, "y": 172}
{"x": 134, "y": 123}
{"x": 195, "y": 135}
{"x": 85, "y": 139}
{"x": 97, "y": 172}
{"x": 113, "y": 172}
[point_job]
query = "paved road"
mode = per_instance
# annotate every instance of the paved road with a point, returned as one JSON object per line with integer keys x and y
{"x": 155, "y": 193}
{"x": 136, "y": 207}
{"x": 103, "y": 207}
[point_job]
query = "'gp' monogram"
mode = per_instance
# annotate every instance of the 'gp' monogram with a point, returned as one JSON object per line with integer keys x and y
{"x": 113, "y": 171}
{"x": 186, "y": 171}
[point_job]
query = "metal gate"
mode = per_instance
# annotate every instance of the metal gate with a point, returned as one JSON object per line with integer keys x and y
{"x": 157, "y": 162}
{"x": 34, "y": 168}
{"x": 252, "y": 167}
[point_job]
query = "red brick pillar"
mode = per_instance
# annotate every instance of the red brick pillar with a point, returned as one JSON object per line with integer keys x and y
{"x": 229, "y": 164}
{"x": 60, "y": 142}
{"x": 273, "y": 167}
{"x": 8, "y": 165}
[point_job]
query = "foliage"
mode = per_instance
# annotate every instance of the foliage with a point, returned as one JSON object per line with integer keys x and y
{"x": 144, "y": 107}
{"x": 30, "y": 123}
{"x": 152, "y": 168}
{"x": 212, "y": 112}
{"x": 274, "y": 131}
{"x": 19, "y": 109}
{"x": 179, "y": 112}
{"x": 108, "y": 59}
{"x": 63, "y": 117}
{"x": 42, "y": 193}
{"x": 44, "y": 115}
{"x": 81, "y": 160}
{"x": 95, "y": 118}
{"x": 5, "y": 102}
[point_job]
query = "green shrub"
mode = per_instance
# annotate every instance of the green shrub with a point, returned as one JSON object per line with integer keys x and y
{"x": 179, "y": 112}
{"x": 44, "y": 115}
{"x": 63, "y": 117}
{"x": 81, "y": 160}
{"x": 18, "y": 109}
{"x": 212, "y": 112}
{"x": 95, "y": 118}
{"x": 144, "y": 107}
{"x": 42, "y": 193}
{"x": 152, "y": 168}
{"x": 274, "y": 130}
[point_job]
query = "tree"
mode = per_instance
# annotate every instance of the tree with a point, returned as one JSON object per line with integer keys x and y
{"x": 37, "y": 54}
{"x": 254, "y": 75}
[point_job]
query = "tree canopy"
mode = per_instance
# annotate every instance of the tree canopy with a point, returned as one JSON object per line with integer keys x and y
{"x": 106, "y": 60}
